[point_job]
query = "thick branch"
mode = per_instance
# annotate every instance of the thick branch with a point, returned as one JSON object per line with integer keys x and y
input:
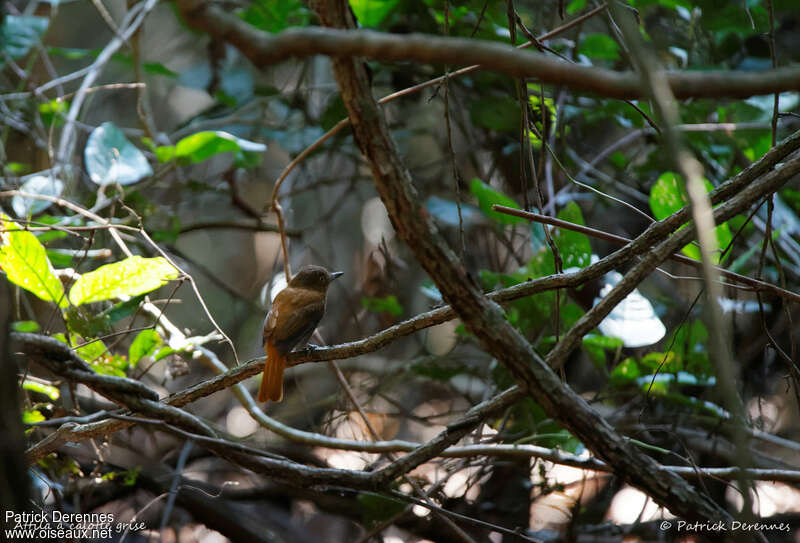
{"x": 265, "y": 49}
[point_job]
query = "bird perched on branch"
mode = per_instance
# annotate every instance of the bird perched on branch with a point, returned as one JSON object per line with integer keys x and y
{"x": 294, "y": 316}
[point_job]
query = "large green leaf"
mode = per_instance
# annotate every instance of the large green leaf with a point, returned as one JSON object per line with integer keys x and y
{"x": 24, "y": 260}
{"x": 669, "y": 195}
{"x": 487, "y": 197}
{"x": 111, "y": 158}
{"x": 130, "y": 277}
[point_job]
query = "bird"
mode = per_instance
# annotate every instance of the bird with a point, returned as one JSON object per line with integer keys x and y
{"x": 295, "y": 314}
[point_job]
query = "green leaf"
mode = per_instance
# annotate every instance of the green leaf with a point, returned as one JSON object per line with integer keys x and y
{"x": 87, "y": 324}
{"x": 130, "y": 277}
{"x": 30, "y": 416}
{"x": 667, "y": 362}
{"x": 599, "y": 46}
{"x": 595, "y": 346}
{"x": 164, "y": 352}
{"x": 52, "y": 112}
{"x": 111, "y": 158}
{"x": 487, "y": 197}
{"x": 71, "y": 53}
{"x": 575, "y": 248}
{"x": 575, "y": 6}
{"x": 145, "y": 344}
{"x": 124, "y": 309}
{"x": 51, "y": 235}
{"x": 131, "y": 475}
{"x": 625, "y": 372}
{"x": 370, "y": 13}
{"x": 59, "y": 259}
{"x": 24, "y": 260}
{"x": 379, "y": 305}
{"x": 90, "y": 352}
{"x": 156, "y": 68}
{"x": 46, "y": 390}
{"x": 108, "y": 364}
{"x": 668, "y": 195}
{"x": 17, "y": 168}
{"x": 19, "y": 33}
{"x": 25, "y": 326}
{"x": 496, "y": 113}
{"x": 376, "y": 508}
{"x": 203, "y": 145}
{"x": 274, "y": 16}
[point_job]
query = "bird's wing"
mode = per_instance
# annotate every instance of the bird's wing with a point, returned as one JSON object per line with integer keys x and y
{"x": 289, "y": 328}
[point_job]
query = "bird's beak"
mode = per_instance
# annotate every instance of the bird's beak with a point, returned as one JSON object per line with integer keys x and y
{"x": 334, "y": 275}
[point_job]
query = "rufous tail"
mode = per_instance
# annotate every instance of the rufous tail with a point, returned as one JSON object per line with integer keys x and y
{"x": 272, "y": 380}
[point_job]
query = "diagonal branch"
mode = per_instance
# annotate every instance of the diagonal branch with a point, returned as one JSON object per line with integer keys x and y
{"x": 482, "y": 317}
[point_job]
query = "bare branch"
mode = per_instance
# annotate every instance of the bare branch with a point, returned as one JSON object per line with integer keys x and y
{"x": 264, "y": 49}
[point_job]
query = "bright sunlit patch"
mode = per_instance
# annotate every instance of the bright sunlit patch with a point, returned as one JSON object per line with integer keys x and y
{"x": 347, "y": 460}
{"x": 420, "y": 511}
{"x": 633, "y": 320}
{"x": 240, "y": 423}
{"x": 770, "y": 498}
{"x": 277, "y": 285}
{"x": 375, "y": 223}
{"x": 441, "y": 338}
{"x": 630, "y": 505}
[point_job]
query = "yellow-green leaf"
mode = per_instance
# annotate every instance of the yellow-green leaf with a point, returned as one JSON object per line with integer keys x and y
{"x": 130, "y": 277}
{"x": 25, "y": 262}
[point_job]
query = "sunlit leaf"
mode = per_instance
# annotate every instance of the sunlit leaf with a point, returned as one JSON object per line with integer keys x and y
{"x": 24, "y": 260}
{"x": 30, "y": 416}
{"x": 668, "y": 195}
{"x": 370, "y": 13}
{"x": 130, "y": 277}
{"x": 46, "y": 390}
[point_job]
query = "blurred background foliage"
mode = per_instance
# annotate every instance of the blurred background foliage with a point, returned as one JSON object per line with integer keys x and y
{"x": 182, "y": 136}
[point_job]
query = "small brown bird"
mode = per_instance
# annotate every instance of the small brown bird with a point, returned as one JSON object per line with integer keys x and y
{"x": 294, "y": 316}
